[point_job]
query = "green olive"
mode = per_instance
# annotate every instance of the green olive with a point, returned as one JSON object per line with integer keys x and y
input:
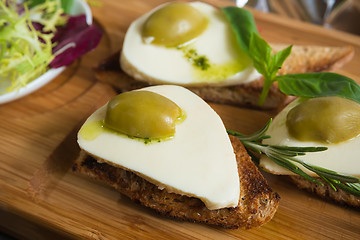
{"x": 174, "y": 24}
{"x": 142, "y": 114}
{"x": 324, "y": 120}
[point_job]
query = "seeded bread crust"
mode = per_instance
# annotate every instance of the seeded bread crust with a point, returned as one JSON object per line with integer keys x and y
{"x": 257, "y": 204}
{"x": 326, "y": 192}
{"x": 302, "y": 59}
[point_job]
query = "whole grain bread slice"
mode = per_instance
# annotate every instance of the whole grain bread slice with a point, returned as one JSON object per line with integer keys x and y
{"x": 257, "y": 204}
{"x": 301, "y": 60}
{"x": 326, "y": 191}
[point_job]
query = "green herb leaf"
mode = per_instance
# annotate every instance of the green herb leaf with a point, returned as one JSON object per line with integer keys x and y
{"x": 300, "y": 149}
{"x": 266, "y": 63}
{"x": 257, "y": 136}
{"x": 243, "y": 25}
{"x": 278, "y": 60}
{"x": 311, "y": 85}
{"x": 352, "y": 188}
{"x": 284, "y": 162}
{"x": 260, "y": 51}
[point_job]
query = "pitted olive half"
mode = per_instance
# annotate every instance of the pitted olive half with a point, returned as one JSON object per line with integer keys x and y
{"x": 325, "y": 120}
{"x": 142, "y": 114}
{"x": 174, "y": 24}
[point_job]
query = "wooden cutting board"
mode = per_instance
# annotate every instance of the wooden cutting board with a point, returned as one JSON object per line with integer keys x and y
{"x": 40, "y": 198}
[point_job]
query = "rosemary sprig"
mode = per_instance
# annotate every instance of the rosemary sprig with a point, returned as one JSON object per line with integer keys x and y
{"x": 285, "y": 156}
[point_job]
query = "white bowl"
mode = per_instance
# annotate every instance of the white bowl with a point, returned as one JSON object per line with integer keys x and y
{"x": 80, "y": 7}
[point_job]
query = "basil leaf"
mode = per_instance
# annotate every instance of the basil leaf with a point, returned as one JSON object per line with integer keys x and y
{"x": 260, "y": 51}
{"x": 278, "y": 60}
{"x": 311, "y": 85}
{"x": 243, "y": 25}
{"x": 265, "y": 62}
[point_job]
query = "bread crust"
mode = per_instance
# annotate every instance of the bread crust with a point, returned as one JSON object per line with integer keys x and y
{"x": 326, "y": 191}
{"x": 312, "y": 58}
{"x": 302, "y": 59}
{"x": 257, "y": 204}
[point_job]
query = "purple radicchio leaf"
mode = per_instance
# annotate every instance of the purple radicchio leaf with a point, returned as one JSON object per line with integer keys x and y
{"x": 74, "y": 25}
{"x": 74, "y": 40}
{"x": 20, "y": 8}
{"x": 37, "y": 26}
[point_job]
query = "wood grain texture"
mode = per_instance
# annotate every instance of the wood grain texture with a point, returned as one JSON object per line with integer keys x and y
{"x": 41, "y": 199}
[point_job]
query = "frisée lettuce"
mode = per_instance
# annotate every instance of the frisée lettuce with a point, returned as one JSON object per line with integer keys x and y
{"x": 33, "y": 36}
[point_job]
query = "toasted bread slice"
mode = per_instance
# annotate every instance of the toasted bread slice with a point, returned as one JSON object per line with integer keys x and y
{"x": 302, "y": 59}
{"x": 257, "y": 204}
{"x": 326, "y": 191}
{"x": 314, "y": 58}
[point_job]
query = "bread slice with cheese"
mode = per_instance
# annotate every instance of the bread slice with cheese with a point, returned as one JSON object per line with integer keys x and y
{"x": 301, "y": 60}
{"x": 322, "y": 130}
{"x": 257, "y": 202}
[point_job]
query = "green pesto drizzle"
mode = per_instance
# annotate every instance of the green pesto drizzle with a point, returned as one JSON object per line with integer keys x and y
{"x": 199, "y": 61}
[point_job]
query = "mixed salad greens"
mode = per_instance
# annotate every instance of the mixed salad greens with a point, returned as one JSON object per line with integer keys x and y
{"x": 36, "y": 35}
